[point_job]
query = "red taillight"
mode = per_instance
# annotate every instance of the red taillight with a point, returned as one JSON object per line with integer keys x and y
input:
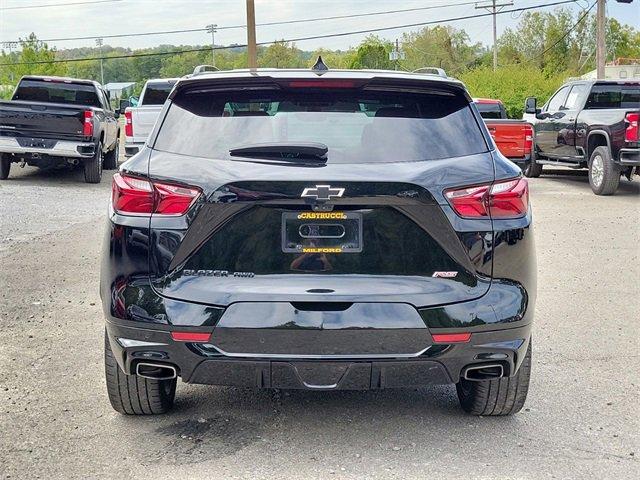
{"x": 128, "y": 123}
{"x": 322, "y": 84}
{"x": 451, "y": 337}
{"x": 508, "y": 199}
{"x": 190, "y": 336}
{"x": 528, "y": 139}
{"x": 137, "y": 196}
{"x": 174, "y": 199}
{"x": 631, "y": 132}
{"x": 87, "y": 127}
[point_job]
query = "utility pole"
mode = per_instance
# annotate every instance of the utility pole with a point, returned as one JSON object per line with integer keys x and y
{"x": 212, "y": 30}
{"x": 494, "y": 8}
{"x": 252, "y": 48}
{"x": 600, "y": 42}
{"x": 99, "y": 42}
{"x": 396, "y": 55}
{"x": 10, "y": 46}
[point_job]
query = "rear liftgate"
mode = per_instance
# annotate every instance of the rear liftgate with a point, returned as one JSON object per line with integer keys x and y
{"x": 322, "y": 294}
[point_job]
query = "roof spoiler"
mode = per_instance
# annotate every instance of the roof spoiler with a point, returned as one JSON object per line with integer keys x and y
{"x": 432, "y": 71}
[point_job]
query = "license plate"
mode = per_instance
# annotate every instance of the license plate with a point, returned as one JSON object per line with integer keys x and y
{"x": 322, "y": 232}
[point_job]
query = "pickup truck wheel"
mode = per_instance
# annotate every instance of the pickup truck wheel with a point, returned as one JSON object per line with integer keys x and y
{"x": 5, "y": 167}
{"x": 604, "y": 175}
{"x": 111, "y": 157}
{"x": 93, "y": 166}
{"x": 134, "y": 395}
{"x": 533, "y": 169}
{"x": 502, "y": 396}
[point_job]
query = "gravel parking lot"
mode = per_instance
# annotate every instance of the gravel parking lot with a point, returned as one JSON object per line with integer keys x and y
{"x": 581, "y": 419}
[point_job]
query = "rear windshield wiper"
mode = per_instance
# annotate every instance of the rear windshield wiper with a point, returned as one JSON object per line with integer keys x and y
{"x": 286, "y": 152}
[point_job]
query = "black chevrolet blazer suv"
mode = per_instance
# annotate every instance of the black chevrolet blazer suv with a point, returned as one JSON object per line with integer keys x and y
{"x": 319, "y": 230}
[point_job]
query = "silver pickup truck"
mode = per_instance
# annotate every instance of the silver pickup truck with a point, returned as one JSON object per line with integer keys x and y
{"x": 139, "y": 120}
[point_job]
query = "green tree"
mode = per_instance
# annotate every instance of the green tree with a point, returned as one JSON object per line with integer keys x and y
{"x": 372, "y": 53}
{"x": 281, "y": 55}
{"x": 33, "y": 52}
{"x": 443, "y": 46}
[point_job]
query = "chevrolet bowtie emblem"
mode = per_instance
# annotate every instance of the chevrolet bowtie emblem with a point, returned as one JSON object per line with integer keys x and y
{"x": 322, "y": 192}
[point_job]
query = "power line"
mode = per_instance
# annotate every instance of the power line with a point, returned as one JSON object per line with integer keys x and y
{"x": 265, "y": 24}
{"x": 299, "y": 39}
{"x": 24, "y": 7}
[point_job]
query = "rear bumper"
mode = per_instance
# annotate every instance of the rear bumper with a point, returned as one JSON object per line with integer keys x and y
{"x": 629, "y": 157}
{"x": 61, "y": 148}
{"x": 201, "y": 363}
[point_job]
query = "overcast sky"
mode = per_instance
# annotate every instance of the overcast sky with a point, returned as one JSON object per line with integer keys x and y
{"x": 128, "y": 16}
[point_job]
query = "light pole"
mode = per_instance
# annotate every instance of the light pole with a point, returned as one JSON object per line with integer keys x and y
{"x": 99, "y": 42}
{"x": 211, "y": 28}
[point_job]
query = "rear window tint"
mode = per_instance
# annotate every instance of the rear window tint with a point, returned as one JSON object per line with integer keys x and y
{"x": 57, "y": 92}
{"x": 358, "y": 126}
{"x": 157, "y": 93}
{"x": 614, "y": 96}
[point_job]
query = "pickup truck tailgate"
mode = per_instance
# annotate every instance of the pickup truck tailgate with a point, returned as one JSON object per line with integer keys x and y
{"x": 46, "y": 120}
{"x": 513, "y": 137}
{"x": 143, "y": 119}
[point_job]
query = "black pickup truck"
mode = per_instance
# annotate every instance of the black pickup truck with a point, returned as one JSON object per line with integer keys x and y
{"x": 590, "y": 124}
{"x": 53, "y": 121}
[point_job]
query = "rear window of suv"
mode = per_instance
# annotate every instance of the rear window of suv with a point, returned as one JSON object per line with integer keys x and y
{"x": 57, "y": 91}
{"x": 357, "y": 125}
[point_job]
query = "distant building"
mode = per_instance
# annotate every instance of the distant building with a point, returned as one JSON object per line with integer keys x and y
{"x": 618, "y": 70}
{"x": 119, "y": 90}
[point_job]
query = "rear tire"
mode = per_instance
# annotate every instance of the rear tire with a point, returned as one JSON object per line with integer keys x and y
{"x": 533, "y": 169}
{"x": 134, "y": 395}
{"x": 112, "y": 156}
{"x": 5, "y": 167}
{"x": 503, "y": 396}
{"x": 604, "y": 175}
{"x": 93, "y": 166}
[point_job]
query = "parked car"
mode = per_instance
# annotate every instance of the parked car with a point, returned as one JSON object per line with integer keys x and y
{"x": 590, "y": 124}
{"x": 514, "y": 138}
{"x": 319, "y": 230}
{"x": 53, "y": 121}
{"x": 140, "y": 119}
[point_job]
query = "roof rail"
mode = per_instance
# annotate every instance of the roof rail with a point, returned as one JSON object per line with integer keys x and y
{"x": 204, "y": 69}
{"x": 431, "y": 71}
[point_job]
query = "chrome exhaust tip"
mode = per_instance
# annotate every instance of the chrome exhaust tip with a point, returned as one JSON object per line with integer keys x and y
{"x": 478, "y": 373}
{"x": 156, "y": 371}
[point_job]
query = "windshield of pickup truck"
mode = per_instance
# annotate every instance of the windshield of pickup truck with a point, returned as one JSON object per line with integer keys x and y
{"x": 57, "y": 91}
{"x": 156, "y": 93}
{"x": 357, "y": 126}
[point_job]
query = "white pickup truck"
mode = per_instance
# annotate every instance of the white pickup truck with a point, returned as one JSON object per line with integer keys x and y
{"x": 139, "y": 120}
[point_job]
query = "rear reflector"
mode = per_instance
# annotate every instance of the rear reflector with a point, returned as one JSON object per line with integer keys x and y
{"x": 87, "y": 127}
{"x": 508, "y": 199}
{"x": 631, "y": 132}
{"x": 138, "y": 196}
{"x": 190, "y": 336}
{"x": 451, "y": 337}
{"x": 128, "y": 123}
